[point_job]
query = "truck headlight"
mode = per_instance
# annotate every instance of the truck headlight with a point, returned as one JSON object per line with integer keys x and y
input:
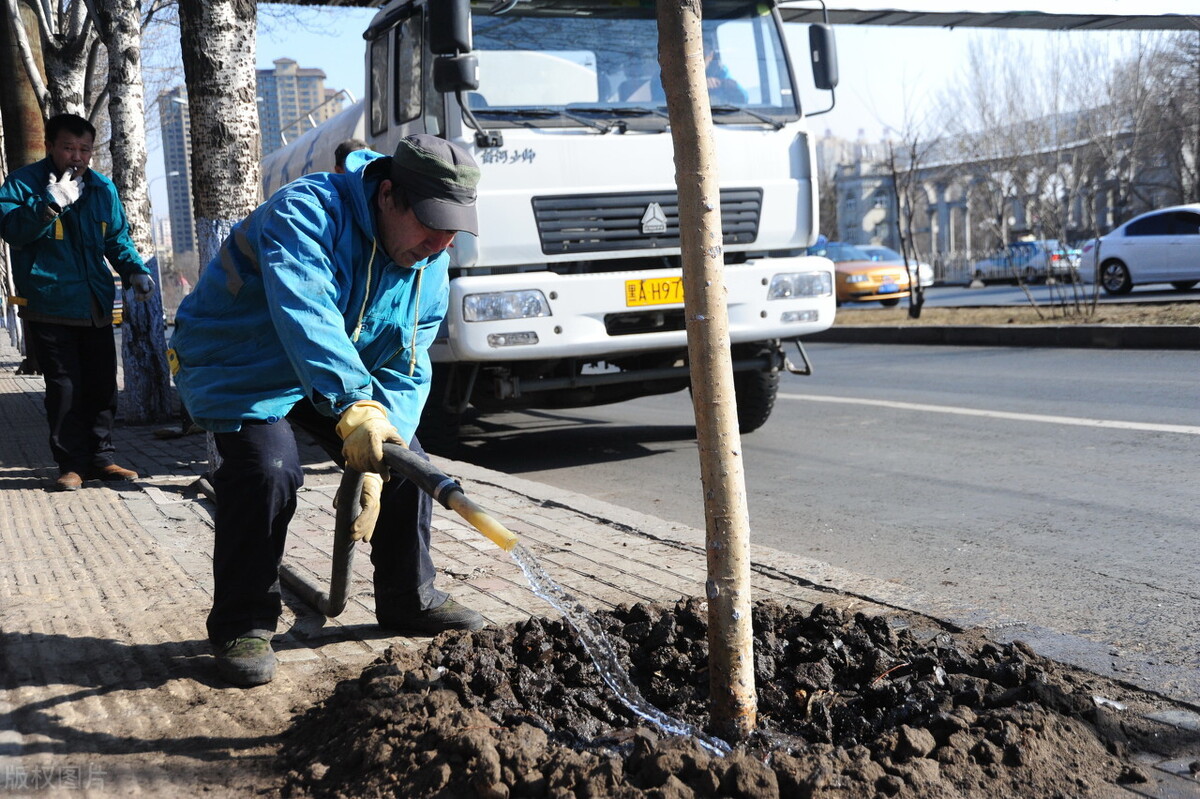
{"x": 496, "y": 305}
{"x": 789, "y": 285}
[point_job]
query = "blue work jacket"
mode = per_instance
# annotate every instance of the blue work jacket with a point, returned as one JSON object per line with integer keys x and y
{"x": 59, "y": 260}
{"x": 302, "y": 301}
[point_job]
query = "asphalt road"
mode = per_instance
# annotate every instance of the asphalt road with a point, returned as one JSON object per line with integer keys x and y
{"x": 1054, "y": 486}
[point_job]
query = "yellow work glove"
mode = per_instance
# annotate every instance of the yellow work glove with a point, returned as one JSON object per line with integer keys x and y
{"x": 364, "y": 428}
{"x": 368, "y": 507}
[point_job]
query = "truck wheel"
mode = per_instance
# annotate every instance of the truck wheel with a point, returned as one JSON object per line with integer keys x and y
{"x": 755, "y": 393}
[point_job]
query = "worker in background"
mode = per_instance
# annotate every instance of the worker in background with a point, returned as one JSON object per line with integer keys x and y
{"x": 344, "y": 149}
{"x": 645, "y": 82}
{"x": 318, "y": 313}
{"x": 66, "y": 225}
{"x": 722, "y": 88}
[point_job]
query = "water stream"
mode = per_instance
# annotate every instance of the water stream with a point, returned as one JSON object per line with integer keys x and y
{"x": 595, "y": 641}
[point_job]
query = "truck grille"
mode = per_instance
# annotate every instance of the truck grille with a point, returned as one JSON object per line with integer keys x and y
{"x": 595, "y": 222}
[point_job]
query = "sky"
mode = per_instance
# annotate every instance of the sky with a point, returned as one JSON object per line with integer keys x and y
{"x": 888, "y": 75}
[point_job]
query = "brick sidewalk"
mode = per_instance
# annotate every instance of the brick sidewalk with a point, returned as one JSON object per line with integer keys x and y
{"x": 108, "y": 685}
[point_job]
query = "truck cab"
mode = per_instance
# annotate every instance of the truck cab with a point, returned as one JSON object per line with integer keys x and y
{"x": 572, "y": 293}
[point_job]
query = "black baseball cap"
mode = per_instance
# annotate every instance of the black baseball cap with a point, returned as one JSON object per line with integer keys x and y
{"x": 438, "y": 179}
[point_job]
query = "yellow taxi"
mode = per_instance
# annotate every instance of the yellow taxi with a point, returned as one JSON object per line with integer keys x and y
{"x": 118, "y": 304}
{"x": 859, "y": 279}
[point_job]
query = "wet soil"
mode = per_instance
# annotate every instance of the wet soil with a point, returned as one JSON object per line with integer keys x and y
{"x": 848, "y": 706}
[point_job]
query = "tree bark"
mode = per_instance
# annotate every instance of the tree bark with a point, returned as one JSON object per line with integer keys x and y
{"x": 67, "y": 40}
{"x": 217, "y": 39}
{"x": 24, "y": 137}
{"x": 147, "y": 394}
{"x": 727, "y": 541}
{"x": 24, "y": 132}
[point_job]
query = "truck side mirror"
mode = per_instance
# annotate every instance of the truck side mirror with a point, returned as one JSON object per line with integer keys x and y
{"x": 456, "y": 73}
{"x": 449, "y": 27}
{"x": 823, "y": 51}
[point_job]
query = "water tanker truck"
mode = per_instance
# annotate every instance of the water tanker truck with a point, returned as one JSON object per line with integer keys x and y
{"x": 572, "y": 296}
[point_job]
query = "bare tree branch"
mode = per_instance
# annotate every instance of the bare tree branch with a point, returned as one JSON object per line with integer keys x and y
{"x": 35, "y": 76}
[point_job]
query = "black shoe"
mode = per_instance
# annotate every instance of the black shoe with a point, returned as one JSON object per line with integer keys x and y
{"x": 246, "y": 661}
{"x": 447, "y": 616}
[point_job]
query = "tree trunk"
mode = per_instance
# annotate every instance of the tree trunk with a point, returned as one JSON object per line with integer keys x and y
{"x": 147, "y": 395}
{"x": 730, "y": 635}
{"x": 24, "y": 132}
{"x": 67, "y": 39}
{"x": 24, "y": 137}
{"x": 217, "y": 39}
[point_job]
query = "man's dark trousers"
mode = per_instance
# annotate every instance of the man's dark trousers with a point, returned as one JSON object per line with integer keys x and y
{"x": 256, "y": 486}
{"x": 80, "y": 367}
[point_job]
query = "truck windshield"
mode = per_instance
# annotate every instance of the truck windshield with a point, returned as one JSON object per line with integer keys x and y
{"x": 581, "y": 69}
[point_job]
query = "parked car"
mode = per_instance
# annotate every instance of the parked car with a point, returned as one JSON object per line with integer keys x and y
{"x": 1027, "y": 261}
{"x": 1161, "y": 246}
{"x": 859, "y": 279}
{"x": 886, "y": 255}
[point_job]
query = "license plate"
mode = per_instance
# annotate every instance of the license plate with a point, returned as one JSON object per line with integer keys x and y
{"x": 888, "y": 288}
{"x": 653, "y": 291}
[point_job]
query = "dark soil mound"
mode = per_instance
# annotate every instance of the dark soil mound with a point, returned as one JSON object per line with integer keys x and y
{"x": 848, "y": 707}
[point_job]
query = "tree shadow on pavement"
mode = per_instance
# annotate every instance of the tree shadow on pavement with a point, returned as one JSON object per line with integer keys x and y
{"x": 121, "y": 677}
{"x": 79, "y": 695}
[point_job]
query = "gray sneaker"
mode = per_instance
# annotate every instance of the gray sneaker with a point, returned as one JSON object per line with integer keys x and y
{"x": 447, "y": 616}
{"x": 246, "y": 661}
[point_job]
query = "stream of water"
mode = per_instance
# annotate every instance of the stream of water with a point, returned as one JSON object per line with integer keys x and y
{"x": 596, "y": 642}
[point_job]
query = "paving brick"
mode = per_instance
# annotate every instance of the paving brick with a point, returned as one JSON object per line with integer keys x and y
{"x": 104, "y": 592}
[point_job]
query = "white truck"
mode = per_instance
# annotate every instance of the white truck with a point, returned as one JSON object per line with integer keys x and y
{"x": 571, "y": 295}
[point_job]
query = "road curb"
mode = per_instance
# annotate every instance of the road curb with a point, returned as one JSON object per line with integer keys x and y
{"x": 1145, "y": 337}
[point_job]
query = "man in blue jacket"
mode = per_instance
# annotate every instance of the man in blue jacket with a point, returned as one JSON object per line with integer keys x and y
{"x": 66, "y": 224}
{"x": 318, "y": 312}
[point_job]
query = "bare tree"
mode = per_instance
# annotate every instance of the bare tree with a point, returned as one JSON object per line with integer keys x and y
{"x": 1174, "y": 123}
{"x": 70, "y": 54}
{"x": 908, "y": 196}
{"x": 1118, "y": 128}
{"x": 147, "y": 395}
{"x": 217, "y": 39}
{"x": 730, "y": 635}
{"x": 827, "y": 204}
{"x": 23, "y": 132}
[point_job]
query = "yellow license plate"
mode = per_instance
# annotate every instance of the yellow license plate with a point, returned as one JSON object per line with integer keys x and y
{"x": 653, "y": 291}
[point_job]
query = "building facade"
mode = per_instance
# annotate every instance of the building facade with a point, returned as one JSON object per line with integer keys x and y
{"x": 961, "y": 200}
{"x": 176, "y": 132}
{"x": 291, "y": 100}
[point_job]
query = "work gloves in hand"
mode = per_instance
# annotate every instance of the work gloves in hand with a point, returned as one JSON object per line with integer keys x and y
{"x": 65, "y": 190}
{"x": 143, "y": 285}
{"x": 368, "y": 507}
{"x": 364, "y": 428}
